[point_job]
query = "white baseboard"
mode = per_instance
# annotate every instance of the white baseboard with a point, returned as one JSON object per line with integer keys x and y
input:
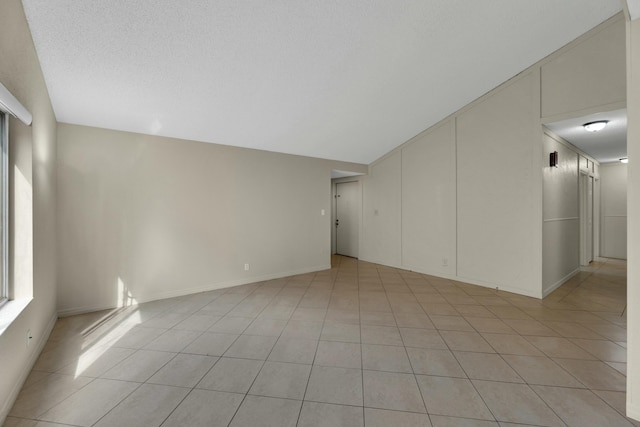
{"x": 84, "y": 309}
{"x": 633, "y": 411}
{"x": 386, "y": 264}
{"x": 460, "y": 279}
{"x": 559, "y": 283}
{"x": 13, "y": 394}
{"x": 499, "y": 287}
{"x": 194, "y": 290}
{"x": 471, "y": 281}
{"x": 433, "y": 273}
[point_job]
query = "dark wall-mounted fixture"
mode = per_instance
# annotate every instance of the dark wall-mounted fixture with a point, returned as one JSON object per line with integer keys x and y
{"x": 553, "y": 159}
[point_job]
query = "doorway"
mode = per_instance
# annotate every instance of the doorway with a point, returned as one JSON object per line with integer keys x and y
{"x": 347, "y": 221}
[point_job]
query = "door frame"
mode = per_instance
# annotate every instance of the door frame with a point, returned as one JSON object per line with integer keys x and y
{"x": 583, "y": 188}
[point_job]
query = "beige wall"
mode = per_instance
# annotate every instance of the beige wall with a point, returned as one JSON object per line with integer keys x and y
{"x": 32, "y": 201}
{"x": 499, "y": 189}
{"x": 561, "y": 215}
{"x": 470, "y": 189}
{"x": 633, "y": 211}
{"x": 588, "y": 74}
{"x": 453, "y": 202}
{"x": 381, "y": 236}
{"x": 429, "y": 170}
{"x": 143, "y": 217}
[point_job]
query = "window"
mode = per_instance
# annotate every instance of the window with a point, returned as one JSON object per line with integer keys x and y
{"x": 9, "y": 105}
{"x": 4, "y": 225}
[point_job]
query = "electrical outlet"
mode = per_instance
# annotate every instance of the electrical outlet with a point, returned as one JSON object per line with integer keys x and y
{"x": 445, "y": 262}
{"x": 29, "y": 337}
{"x": 246, "y": 267}
{"x": 322, "y": 212}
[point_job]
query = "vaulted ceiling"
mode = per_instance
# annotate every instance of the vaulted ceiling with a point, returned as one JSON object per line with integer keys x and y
{"x": 347, "y": 80}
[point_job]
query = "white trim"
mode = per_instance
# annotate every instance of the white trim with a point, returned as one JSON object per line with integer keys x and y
{"x": 633, "y": 411}
{"x": 13, "y": 394}
{"x": 434, "y": 273}
{"x": 498, "y": 287}
{"x": 85, "y": 309}
{"x": 385, "y": 264}
{"x": 10, "y": 311}
{"x": 547, "y": 291}
{"x": 9, "y": 104}
{"x": 5, "y": 294}
{"x": 194, "y": 290}
{"x": 463, "y": 279}
{"x": 562, "y": 219}
{"x": 615, "y": 105}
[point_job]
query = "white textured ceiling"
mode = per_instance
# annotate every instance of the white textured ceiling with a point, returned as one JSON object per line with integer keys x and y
{"x": 347, "y": 80}
{"x": 606, "y": 146}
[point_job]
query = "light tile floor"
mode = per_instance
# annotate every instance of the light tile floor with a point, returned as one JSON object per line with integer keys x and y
{"x": 361, "y": 344}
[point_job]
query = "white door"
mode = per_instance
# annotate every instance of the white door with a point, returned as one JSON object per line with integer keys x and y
{"x": 596, "y": 218}
{"x": 589, "y": 207}
{"x": 347, "y": 218}
{"x": 586, "y": 219}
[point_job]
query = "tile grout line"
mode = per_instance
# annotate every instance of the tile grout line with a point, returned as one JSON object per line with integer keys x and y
{"x": 364, "y": 421}
{"x": 306, "y": 387}
{"x": 263, "y": 362}
{"x": 575, "y": 314}
{"x": 180, "y": 352}
{"x": 415, "y": 379}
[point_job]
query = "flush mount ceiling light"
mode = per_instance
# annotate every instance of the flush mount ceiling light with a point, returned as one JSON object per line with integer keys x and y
{"x": 624, "y": 160}
{"x": 595, "y": 126}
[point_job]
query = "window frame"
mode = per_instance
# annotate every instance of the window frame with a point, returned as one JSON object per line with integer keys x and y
{"x": 4, "y": 208}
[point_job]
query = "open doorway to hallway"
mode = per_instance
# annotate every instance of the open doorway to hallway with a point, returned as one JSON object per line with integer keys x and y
{"x": 584, "y": 195}
{"x": 346, "y": 213}
{"x": 602, "y": 181}
{"x": 347, "y": 222}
